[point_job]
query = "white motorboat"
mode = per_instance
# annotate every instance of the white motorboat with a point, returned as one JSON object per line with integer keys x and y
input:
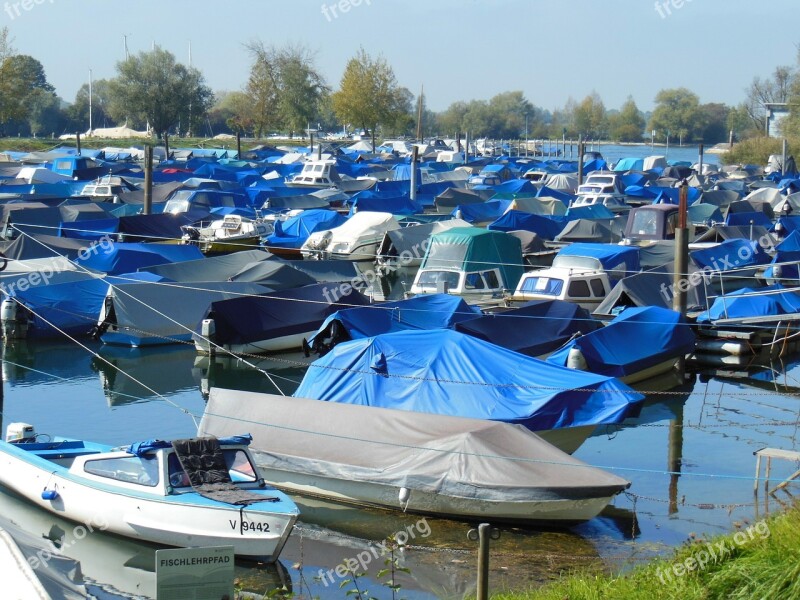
{"x": 356, "y": 239}
{"x": 153, "y": 491}
{"x": 229, "y": 234}
{"x": 430, "y": 464}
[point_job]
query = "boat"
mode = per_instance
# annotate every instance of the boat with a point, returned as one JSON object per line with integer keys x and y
{"x": 155, "y": 491}
{"x": 581, "y": 273}
{"x": 229, "y": 234}
{"x": 444, "y": 372}
{"x": 608, "y": 351}
{"x": 356, "y": 239}
{"x": 322, "y": 173}
{"x": 438, "y": 465}
{"x": 273, "y": 322}
{"x": 470, "y": 262}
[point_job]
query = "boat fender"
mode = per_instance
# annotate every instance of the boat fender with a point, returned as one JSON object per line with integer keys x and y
{"x": 576, "y": 360}
{"x": 403, "y": 497}
{"x": 49, "y": 494}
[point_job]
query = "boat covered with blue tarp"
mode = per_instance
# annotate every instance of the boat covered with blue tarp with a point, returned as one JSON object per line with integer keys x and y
{"x": 428, "y": 311}
{"x": 535, "y": 328}
{"x": 448, "y": 373}
{"x": 610, "y": 351}
{"x": 754, "y": 304}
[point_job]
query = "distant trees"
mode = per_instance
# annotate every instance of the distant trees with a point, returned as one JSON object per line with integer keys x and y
{"x": 677, "y": 114}
{"x": 503, "y": 116}
{"x": 628, "y": 124}
{"x": 589, "y": 117}
{"x": 369, "y": 94}
{"x": 152, "y": 87}
{"x": 17, "y": 82}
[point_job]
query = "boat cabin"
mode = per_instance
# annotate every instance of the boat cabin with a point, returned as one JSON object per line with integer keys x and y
{"x": 469, "y": 261}
{"x": 317, "y": 173}
{"x": 653, "y": 223}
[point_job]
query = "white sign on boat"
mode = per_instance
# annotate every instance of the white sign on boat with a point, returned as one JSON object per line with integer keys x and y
{"x": 195, "y": 573}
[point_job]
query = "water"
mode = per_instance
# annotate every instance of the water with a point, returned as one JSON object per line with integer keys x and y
{"x": 63, "y": 390}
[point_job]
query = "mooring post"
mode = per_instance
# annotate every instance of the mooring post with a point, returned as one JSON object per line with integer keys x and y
{"x": 413, "y": 193}
{"x": 78, "y": 142}
{"x": 580, "y": 160}
{"x": 148, "y": 180}
{"x": 482, "y": 535}
{"x": 238, "y": 145}
{"x": 680, "y": 285}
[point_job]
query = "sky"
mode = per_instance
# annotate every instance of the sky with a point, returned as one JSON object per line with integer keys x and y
{"x": 551, "y": 50}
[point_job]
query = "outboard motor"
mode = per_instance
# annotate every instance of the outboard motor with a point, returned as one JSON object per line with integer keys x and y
{"x": 205, "y": 342}
{"x": 20, "y": 433}
{"x": 13, "y": 320}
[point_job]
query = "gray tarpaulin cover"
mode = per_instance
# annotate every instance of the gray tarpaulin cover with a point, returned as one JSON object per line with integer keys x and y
{"x": 455, "y": 456}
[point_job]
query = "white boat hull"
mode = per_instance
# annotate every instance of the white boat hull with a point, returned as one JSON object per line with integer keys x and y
{"x": 279, "y": 344}
{"x": 149, "y": 517}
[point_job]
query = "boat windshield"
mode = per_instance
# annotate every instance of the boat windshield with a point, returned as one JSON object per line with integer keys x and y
{"x": 142, "y": 470}
{"x": 240, "y": 469}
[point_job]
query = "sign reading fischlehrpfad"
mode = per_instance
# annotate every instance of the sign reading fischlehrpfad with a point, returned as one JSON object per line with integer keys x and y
{"x": 195, "y": 573}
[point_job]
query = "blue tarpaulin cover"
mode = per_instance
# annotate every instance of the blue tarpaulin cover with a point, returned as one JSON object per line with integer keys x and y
{"x": 774, "y": 300}
{"x": 478, "y": 213}
{"x": 427, "y": 311}
{"x": 268, "y": 316}
{"x": 294, "y": 231}
{"x": 730, "y": 254}
{"x": 533, "y": 329}
{"x": 449, "y": 373}
{"x": 610, "y": 256}
{"x": 115, "y": 258}
{"x": 546, "y": 226}
{"x": 610, "y": 351}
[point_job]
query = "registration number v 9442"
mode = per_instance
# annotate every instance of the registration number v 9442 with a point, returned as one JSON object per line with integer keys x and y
{"x": 249, "y": 526}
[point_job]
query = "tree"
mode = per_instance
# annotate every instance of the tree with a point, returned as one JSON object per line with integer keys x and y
{"x": 262, "y": 88}
{"x": 46, "y": 116}
{"x": 300, "y": 88}
{"x": 628, "y": 124}
{"x": 153, "y": 87}
{"x": 715, "y": 118}
{"x": 774, "y": 89}
{"x": 507, "y": 112}
{"x": 368, "y": 94}
{"x": 451, "y": 120}
{"x": 589, "y": 117}
{"x": 78, "y": 111}
{"x": 16, "y": 83}
{"x": 677, "y": 113}
{"x": 740, "y": 123}
{"x": 34, "y": 71}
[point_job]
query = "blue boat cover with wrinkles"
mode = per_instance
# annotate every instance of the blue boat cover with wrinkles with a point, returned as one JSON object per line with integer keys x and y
{"x": 427, "y": 311}
{"x": 730, "y": 254}
{"x": 115, "y": 258}
{"x": 546, "y": 226}
{"x": 449, "y": 373}
{"x": 254, "y": 318}
{"x": 774, "y": 300}
{"x": 294, "y": 231}
{"x": 609, "y": 351}
{"x": 533, "y": 329}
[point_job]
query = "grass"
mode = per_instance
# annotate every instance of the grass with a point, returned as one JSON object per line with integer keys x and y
{"x": 762, "y": 561}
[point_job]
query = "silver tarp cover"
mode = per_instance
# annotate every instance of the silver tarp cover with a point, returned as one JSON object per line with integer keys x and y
{"x": 465, "y": 458}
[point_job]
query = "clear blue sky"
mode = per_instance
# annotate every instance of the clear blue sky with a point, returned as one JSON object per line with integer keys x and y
{"x": 459, "y": 49}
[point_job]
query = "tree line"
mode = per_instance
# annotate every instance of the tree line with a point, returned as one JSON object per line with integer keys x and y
{"x": 285, "y": 92}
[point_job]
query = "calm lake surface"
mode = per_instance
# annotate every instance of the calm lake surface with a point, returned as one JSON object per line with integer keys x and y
{"x": 689, "y": 457}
